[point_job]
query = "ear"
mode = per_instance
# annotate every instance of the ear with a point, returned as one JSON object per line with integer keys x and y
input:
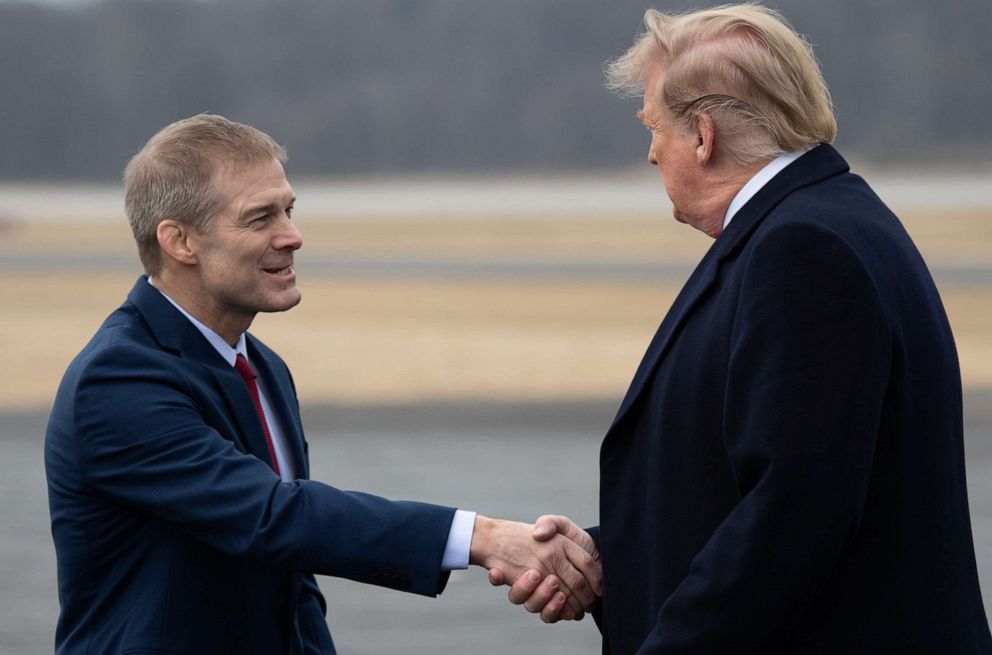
{"x": 705, "y": 134}
{"x": 174, "y": 241}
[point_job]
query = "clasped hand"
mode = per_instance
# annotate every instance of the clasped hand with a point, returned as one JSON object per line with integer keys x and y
{"x": 552, "y": 567}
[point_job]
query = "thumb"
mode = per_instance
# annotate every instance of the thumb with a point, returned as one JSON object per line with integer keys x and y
{"x": 548, "y": 526}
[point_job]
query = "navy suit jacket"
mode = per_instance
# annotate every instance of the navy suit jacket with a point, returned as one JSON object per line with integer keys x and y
{"x": 171, "y": 535}
{"x": 786, "y": 472}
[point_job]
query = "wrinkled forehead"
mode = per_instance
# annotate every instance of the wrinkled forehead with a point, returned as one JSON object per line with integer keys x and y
{"x": 237, "y": 183}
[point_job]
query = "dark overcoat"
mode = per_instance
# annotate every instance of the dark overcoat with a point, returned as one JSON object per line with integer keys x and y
{"x": 786, "y": 472}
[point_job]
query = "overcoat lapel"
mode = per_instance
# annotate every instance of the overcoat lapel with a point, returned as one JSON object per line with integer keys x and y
{"x": 818, "y": 164}
{"x": 695, "y": 289}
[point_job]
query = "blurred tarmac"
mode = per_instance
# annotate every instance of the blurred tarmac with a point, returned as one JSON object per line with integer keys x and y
{"x": 570, "y": 196}
{"x": 510, "y": 460}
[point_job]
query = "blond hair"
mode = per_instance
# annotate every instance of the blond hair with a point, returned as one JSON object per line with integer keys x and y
{"x": 171, "y": 176}
{"x": 745, "y": 67}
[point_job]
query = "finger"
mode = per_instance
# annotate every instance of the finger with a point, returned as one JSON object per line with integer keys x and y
{"x": 584, "y": 540}
{"x": 573, "y": 603}
{"x": 524, "y": 586}
{"x": 588, "y": 564}
{"x": 496, "y": 577}
{"x": 572, "y": 570}
{"x": 548, "y": 590}
{"x": 575, "y": 586}
{"x": 555, "y": 609}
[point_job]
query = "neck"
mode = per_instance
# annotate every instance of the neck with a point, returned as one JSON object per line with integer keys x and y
{"x": 720, "y": 190}
{"x": 197, "y": 303}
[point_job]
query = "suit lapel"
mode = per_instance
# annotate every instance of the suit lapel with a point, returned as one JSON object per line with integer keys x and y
{"x": 240, "y": 405}
{"x": 175, "y": 333}
{"x": 283, "y": 403}
{"x": 818, "y": 164}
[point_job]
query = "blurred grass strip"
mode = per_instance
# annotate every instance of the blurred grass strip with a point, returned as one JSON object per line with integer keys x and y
{"x": 404, "y": 338}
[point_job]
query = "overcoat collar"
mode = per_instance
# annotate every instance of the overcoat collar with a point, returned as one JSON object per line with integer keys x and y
{"x": 175, "y": 333}
{"x": 818, "y": 164}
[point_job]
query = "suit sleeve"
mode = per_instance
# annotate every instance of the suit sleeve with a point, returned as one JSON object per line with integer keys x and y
{"x": 143, "y": 443}
{"x": 810, "y": 355}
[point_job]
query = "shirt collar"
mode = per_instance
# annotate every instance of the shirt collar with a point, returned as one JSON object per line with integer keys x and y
{"x": 223, "y": 348}
{"x": 760, "y": 179}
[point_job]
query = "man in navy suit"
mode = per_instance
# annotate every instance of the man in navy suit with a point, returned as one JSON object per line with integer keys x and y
{"x": 786, "y": 472}
{"x": 182, "y": 515}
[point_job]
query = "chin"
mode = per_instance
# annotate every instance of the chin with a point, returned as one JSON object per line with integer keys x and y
{"x": 284, "y": 302}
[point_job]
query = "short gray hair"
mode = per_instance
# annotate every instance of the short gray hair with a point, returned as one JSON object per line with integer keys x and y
{"x": 745, "y": 67}
{"x": 171, "y": 176}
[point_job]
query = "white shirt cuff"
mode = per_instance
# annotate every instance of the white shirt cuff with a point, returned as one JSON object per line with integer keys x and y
{"x": 459, "y": 541}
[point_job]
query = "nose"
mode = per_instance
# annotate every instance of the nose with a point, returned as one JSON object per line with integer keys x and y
{"x": 289, "y": 237}
{"x": 652, "y": 157}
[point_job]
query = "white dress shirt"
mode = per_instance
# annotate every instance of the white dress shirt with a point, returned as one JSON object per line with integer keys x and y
{"x": 760, "y": 179}
{"x": 456, "y": 550}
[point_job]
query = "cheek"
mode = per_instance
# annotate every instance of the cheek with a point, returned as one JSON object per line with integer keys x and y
{"x": 674, "y": 184}
{"x": 232, "y": 269}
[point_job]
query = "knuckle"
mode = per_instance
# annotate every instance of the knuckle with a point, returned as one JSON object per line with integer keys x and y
{"x": 575, "y": 584}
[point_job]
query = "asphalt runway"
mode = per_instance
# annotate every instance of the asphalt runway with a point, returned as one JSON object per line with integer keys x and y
{"x": 970, "y": 274}
{"x": 515, "y": 461}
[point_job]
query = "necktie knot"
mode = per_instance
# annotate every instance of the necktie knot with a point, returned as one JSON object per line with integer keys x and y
{"x": 244, "y": 368}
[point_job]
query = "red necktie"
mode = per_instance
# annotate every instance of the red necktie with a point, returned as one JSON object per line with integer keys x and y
{"x": 244, "y": 368}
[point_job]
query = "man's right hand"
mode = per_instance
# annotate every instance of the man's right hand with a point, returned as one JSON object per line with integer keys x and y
{"x": 539, "y": 592}
{"x": 549, "y": 572}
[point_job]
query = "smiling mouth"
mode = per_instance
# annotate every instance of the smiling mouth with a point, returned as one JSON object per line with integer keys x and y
{"x": 283, "y": 272}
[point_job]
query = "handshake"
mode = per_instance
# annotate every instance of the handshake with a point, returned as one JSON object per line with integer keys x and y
{"x": 552, "y": 567}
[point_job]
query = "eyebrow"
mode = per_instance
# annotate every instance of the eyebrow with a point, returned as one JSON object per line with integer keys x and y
{"x": 266, "y": 208}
